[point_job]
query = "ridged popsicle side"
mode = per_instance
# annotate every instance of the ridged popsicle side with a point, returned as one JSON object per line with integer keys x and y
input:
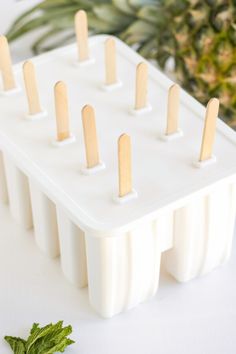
{"x": 18, "y": 193}
{"x": 3, "y": 182}
{"x": 72, "y": 250}
{"x": 123, "y": 271}
{"x": 45, "y": 222}
{"x": 203, "y": 232}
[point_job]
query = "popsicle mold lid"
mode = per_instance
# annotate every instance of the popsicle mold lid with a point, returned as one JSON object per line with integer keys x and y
{"x": 164, "y": 174}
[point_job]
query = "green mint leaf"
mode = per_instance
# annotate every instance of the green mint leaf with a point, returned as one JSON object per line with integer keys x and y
{"x": 17, "y": 344}
{"x": 49, "y": 339}
{"x": 35, "y": 334}
{"x": 60, "y": 347}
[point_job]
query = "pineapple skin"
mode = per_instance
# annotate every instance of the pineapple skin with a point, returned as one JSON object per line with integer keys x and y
{"x": 201, "y": 38}
{"x": 199, "y": 35}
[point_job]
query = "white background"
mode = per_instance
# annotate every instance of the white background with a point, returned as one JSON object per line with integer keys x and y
{"x": 194, "y": 318}
{"x": 9, "y": 11}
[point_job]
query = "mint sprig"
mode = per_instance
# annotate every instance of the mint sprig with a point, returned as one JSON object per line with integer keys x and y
{"x": 49, "y": 339}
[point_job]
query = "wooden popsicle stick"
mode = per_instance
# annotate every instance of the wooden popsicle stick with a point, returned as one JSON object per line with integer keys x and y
{"x": 110, "y": 61}
{"x": 141, "y": 86}
{"x": 209, "y": 129}
{"x": 6, "y": 65}
{"x": 124, "y": 159}
{"x": 62, "y": 111}
{"x": 173, "y": 110}
{"x": 81, "y": 29}
{"x": 31, "y": 88}
{"x": 90, "y": 136}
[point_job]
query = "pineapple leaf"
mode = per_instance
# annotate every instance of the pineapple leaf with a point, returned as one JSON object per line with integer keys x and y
{"x": 124, "y": 6}
{"x": 138, "y": 33}
{"x": 150, "y": 14}
{"x": 112, "y": 15}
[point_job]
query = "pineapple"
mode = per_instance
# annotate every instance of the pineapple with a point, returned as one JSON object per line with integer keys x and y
{"x": 199, "y": 35}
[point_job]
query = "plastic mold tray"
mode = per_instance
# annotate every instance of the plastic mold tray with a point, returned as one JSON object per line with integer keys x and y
{"x": 181, "y": 210}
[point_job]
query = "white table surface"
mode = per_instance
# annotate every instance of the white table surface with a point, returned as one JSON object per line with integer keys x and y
{"x": 198, "y": 317}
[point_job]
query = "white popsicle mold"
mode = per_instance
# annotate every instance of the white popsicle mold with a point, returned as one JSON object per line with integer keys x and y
{"x": 18, "y": 193}
{"x": 186, "y": 213}
{"x": 203, "y": 231}
{"x": 123, "y": 271}
{"x": 45, "y": 221}
{"x": 3, "y": 182}
{"x": 73, "y": 252}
